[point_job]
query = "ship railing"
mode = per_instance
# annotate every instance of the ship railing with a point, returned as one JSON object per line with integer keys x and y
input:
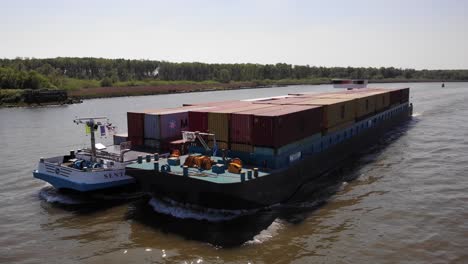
{"x": 54, "y": 160}
{"x": 105, "y": 155}
{"x": 52, "y": 164}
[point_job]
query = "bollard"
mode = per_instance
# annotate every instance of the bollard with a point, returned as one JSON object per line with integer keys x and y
{"x": 41, "y": 160}
{"x": 148, "y": 158}
{"x": 156, "y": 166}
{"x": 255, "y": 172}
{"x": 140, "y": 159}
{"x": 249, "y": 175}
{"x": 185, "y": 171}
{"x": 242, "y": 176}
{"x": 156, "y": 156}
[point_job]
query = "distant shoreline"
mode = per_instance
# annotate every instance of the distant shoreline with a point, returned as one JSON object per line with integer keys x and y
{"x": 109, "y": 92}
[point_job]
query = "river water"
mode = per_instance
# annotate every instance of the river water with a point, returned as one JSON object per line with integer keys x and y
{"x": 406, "y": 200}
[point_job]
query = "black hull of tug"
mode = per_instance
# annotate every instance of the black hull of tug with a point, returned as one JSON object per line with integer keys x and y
{"x": 278, "y": 187}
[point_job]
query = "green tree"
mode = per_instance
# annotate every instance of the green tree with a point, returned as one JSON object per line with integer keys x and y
{"x": 224, "y": 76}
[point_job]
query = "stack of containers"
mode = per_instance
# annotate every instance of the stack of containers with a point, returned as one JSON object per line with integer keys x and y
{"x": 165, "y": 125}
{"x": 277, "y": 132}
{"x": 280, "y": 125}
{"x": 217, "y": 121}
{"x": 199, "y": 118}
{"x": 398, "y": 96}
{"x": 382, "y": 99}
{"x": 337, "y": 113}
{"x": 364, "y": 101}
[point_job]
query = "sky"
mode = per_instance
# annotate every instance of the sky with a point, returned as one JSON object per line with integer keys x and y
{"x": 420, "y": 34}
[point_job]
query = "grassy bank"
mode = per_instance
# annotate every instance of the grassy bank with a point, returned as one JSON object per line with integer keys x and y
{"x": 88, "y": 89}
{"x": 169, "y": 87}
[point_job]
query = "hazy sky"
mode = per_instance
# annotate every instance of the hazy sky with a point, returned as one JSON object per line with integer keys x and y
{"x": 409, "y": 34}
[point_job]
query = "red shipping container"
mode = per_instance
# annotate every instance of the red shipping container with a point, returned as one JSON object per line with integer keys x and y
{"x": 135, "y": 127}
{"x": 281, "y": 125}
{"x": 198, "y": 121}
{"x": 135, "y": 124}
{"x": 136, "y": 141}
{"x": 241, "y": 123}
{"x": 405, "y": 95}
{"x": 395, "y": 96}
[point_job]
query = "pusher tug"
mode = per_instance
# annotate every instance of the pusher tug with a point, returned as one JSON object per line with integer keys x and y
{"x": 88, "y": 170}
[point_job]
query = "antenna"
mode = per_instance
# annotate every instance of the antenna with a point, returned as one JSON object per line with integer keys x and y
{"x": 92, "y": 122}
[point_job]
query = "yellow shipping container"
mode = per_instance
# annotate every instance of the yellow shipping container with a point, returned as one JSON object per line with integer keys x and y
{"x": 336, "y": 111}
{"x": 365, "y": 102}
{"x": 218, "y": 124}
{"x": 242, "y": 147}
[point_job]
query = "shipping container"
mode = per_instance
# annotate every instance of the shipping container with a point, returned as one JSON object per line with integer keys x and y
{"x": 282, "y": 124}
{"x": 216, "y": 119}
{"x": 365, "y": 101}
{"x": 152, "y": 130}
{"x": 120, "y": 138}
{"x": 135, "y": 127}
{"x": 167, "y": 124}
{"x": 241, "y": 123}
{"x": 198, "y": 119}
{"x": 218, "y": 124}
{"x": 382, "y": 100}
{"x": 242, "y": 147}
{"x": 335, "y": 110}
{"x": 405, "y": 95}
{"x": 398, "y": 96}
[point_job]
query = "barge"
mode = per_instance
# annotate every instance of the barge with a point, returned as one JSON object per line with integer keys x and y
{"x": 256, "y": 153}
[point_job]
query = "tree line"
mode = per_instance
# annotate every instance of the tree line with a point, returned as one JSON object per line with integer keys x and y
{"x": 31, "y": 73}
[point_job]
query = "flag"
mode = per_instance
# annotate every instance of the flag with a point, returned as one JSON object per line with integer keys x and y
{"x": 103, "y": 130}
{"x": 87, "y": 129}
{"x": 110, "y": 129}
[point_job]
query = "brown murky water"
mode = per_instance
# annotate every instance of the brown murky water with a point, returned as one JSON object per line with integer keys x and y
{"x": 406, "y": 200}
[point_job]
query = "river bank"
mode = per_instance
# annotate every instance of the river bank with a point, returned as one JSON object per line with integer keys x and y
{"x": 13, "y": 98}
